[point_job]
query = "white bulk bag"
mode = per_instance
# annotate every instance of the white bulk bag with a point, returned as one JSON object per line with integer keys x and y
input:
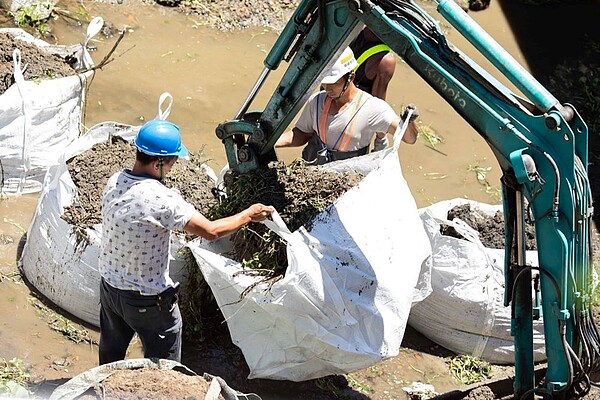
{"x": 39, "y": 119}
{"x": 63, "y": 271}
{"x": 465, "y": 310}
{"x": 343, "y": 303}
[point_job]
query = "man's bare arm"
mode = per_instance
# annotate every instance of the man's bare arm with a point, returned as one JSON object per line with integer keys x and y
{"x": 293, "y": 138}
{"x": 202, "y": 226}
{"x": 384, "y": 71}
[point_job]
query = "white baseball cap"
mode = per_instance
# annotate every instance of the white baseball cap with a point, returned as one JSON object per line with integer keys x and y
{"x": 346, "y": 63}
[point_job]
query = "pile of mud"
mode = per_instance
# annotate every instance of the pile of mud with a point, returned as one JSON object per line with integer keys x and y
{"x": 149, "y": 383}
{"x": 490, "y": 228}
{"x": 35, "y": 63}
{"x": 298, "y": 192}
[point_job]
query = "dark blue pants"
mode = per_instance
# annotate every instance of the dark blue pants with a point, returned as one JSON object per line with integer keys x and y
{"x": 156, "y": 320}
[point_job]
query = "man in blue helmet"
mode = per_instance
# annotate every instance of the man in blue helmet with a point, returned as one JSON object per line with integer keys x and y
{"x": 137, "y": 295}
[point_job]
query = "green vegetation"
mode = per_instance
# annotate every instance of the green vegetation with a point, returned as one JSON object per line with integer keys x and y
{"x": 328, "y": 385}
{"x": 195, "y": 295}
{"x": 427, "y": 380}
{"x": 33, "y": 15}
{"x": 337, "y": 385}
{"x": 468, "y": 370}
{"x": 429, "y": 135}
{"x": 481, "y": 175}
{"x": 13, "y": 378}
{"x": 356, "y": 385}
{"x": 67, "y": 328}
{"x": 62, "y": 324}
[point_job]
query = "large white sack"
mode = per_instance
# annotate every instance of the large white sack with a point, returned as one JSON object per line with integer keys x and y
{"x": 39, "y": 119}
{"x": 465, "y": 310}
{"x": 64, "y": 272}
{"x": 344, "y": 301}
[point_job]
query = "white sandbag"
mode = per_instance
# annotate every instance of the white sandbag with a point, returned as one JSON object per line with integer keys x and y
{"x": 39, "y": 119}
{"x": 465, "y": 310}
{"x": 344, "y": 301}
{"x": 61, "y": 269}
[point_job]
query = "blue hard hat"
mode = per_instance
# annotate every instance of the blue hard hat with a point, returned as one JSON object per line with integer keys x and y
{"x": 158, "y": 137}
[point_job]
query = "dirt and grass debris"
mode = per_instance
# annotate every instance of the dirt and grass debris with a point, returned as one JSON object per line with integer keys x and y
{"x": 468, "y": 370}
{"x": 489, "y": 227}
{"x": 36, "y": 64}
{"x": 13, "y": 377}
{"x": 297, "y": 191}
{"x": 59, "y": 323}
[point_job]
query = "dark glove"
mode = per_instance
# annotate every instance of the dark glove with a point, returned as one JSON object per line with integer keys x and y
{"x": 380, "y": 144}
{"x": 414, "y": 115}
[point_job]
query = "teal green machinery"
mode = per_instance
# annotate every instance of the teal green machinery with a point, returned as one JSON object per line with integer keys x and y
{"x": 540, "y": 144}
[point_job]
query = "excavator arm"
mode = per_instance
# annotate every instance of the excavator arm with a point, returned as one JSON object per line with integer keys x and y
{"x": 540, "y": 145}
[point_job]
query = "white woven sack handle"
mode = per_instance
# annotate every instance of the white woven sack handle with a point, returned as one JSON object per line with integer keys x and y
{"x": 20, "y": 82}
{"x": 276, "y": 224}
{"x": 93, "y": 28}
{"x": 399, "y": 133}
{"x": 164, "y": 114}
{"x": 84, "y": 59}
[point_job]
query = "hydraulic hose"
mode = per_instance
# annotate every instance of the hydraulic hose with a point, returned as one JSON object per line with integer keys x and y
{"x": 414, "y": 17}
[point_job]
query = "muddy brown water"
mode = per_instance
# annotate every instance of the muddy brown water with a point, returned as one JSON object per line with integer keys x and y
{"x": 209, "y": 74}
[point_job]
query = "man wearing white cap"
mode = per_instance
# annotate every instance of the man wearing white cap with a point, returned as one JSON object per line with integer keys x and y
{"x": 341, "y": 120}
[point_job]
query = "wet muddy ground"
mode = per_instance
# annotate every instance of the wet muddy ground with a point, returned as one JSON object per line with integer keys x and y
{"x": 52, "y": 358}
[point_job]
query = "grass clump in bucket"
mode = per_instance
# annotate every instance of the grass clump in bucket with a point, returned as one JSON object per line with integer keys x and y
{"x": 298, "y": 192}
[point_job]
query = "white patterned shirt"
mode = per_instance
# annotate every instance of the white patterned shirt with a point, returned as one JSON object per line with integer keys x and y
{"x": 138, "y": 214}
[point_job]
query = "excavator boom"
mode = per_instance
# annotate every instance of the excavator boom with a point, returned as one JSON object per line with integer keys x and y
{"x": 540, "y": 144}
